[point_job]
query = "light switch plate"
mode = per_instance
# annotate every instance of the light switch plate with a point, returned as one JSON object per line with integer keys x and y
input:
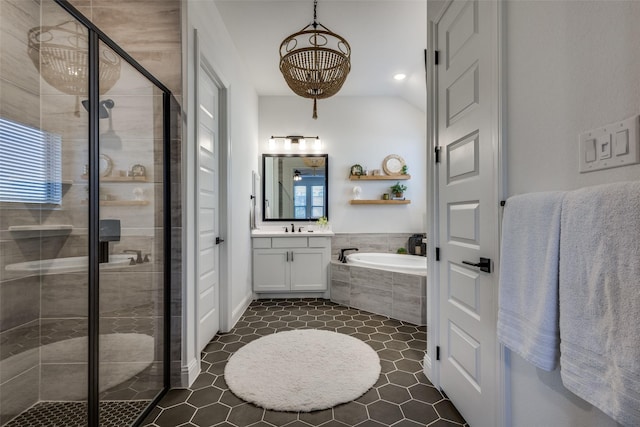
{"x": 610, "y": 146}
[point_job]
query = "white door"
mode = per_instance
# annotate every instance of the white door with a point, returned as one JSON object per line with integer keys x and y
{"x": 468, "y": 206}
{"x": 207, "y": 265}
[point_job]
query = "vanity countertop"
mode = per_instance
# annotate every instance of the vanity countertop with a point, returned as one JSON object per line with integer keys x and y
{"x": 279, "y": 232}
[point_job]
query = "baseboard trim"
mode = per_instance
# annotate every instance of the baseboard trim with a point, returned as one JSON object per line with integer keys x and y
{"x": 190, "y": 372}
{"x": 237, "y": 312}
{"x": 427, "y": 366}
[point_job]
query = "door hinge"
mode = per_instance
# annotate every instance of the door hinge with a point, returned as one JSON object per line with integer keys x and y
{"x": 437, "y": 254}
{"x": 437, "y": 151}
{"x": 436, "y": 57}
{"x": 219, "y": 240}
{"x": 437, "y": 352}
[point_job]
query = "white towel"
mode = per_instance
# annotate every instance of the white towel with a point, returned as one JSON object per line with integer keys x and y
{"x": 528, "y": 296}
{"x": 600, "y": 298}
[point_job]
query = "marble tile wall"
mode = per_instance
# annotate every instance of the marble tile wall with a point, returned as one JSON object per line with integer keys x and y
{"x": 396, "y": 295}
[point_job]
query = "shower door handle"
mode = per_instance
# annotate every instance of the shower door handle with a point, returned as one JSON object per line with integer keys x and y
{"x": 484, "y": 264}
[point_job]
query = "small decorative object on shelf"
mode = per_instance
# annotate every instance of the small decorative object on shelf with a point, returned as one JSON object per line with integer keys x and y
{"x": 385, "y": 196}
{"x": 404, "y": 170}
{"x": 398, "y": 190}
{"x": 356, "y": 192}
{"x": 137, "y": 170}
{"x": 392, "y": 164}
{"x": 401, "y": 251}
{"x": 356, "y": 170}
{"x": 138, "y": 193}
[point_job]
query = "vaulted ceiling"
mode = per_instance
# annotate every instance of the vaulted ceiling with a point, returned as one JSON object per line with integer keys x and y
{"x": 386, "y": 37}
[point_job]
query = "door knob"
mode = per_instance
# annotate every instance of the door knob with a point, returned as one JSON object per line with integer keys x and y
{"x": 484, "y": 264}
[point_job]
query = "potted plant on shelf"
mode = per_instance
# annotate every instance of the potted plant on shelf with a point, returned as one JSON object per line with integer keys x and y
{"x": 398, "y": 189}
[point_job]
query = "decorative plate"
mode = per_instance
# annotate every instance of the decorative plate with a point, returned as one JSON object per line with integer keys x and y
{"x": 106, "y": 164}
{"x": 393, "y": 164}
{"x": 356, "y": 170}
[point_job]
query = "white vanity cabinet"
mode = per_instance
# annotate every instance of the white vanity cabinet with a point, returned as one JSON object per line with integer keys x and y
{"x": 291, "y": 264}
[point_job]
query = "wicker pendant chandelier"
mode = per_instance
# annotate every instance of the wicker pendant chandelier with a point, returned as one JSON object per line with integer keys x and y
{"x": 315, "y": 61}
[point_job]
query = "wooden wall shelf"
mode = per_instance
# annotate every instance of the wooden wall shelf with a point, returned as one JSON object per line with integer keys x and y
{"x": 120, "y": 178}
{"x": 121, "y": 202}
{"x": 379, "y": 177}
{"x": 380, "y": 202}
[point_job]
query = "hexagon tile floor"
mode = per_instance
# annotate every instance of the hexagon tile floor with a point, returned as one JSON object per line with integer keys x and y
{"x": 402, "y": 397}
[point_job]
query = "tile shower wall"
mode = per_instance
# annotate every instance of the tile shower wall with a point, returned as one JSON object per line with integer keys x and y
{"x": 19, "y": 292}
{"x": 35, "y": 310}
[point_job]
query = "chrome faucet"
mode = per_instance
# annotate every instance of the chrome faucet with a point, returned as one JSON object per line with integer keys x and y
{"x": 293, "y": 229}
{"x": 134, "y": 251}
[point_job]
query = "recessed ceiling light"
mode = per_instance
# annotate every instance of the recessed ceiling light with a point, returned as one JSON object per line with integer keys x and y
{"x": 400, "y": 76}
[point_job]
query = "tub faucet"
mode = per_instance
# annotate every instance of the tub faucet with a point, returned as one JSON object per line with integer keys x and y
{"x": 342, "y": 257}
{"x": 134, "y": 251}
{"x": 293, "y": 229}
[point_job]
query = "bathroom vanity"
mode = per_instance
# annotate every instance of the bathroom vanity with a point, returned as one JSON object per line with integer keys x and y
{"x": 291, "y": 263}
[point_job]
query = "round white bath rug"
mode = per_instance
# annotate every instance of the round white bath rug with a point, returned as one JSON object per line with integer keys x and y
{"x": 301, "y": 371}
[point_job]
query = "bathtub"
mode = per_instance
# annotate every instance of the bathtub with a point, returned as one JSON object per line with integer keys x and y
{"x": 411, "y": 264}
{"x": 63, "y": 363}
{"x": 66, "y": 265}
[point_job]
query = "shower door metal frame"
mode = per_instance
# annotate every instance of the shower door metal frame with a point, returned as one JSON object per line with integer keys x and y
{"x": 95, "y": 37}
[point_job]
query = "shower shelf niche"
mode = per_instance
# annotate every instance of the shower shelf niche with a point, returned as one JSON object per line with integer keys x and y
{"x": 28, "y": 231}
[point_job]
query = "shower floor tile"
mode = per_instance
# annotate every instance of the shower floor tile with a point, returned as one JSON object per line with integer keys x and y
{"x": 403, "y": 396}
{"x": 74, "y": 414}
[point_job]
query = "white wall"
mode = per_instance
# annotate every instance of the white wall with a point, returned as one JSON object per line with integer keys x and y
{"x": 217, "y": 46}
{"x": 361, "y": 130}
{"x": 571, "y": 66}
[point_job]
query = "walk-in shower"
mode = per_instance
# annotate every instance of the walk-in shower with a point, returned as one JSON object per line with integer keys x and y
{"x": 84, "y": 231}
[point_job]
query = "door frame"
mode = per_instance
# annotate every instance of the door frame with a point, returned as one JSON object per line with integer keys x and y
{"x": 431, "y": 366}
{"x": 190, "y": 318}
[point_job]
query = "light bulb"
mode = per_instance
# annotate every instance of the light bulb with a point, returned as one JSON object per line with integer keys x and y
{"x": 287, "y": 144}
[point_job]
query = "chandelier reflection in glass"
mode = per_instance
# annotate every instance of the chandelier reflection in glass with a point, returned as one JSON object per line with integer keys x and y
{"x": 315, "y": 61}
{"x": 60, "y": 53}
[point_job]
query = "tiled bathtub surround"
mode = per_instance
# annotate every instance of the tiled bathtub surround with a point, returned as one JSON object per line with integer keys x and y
{"x": 397, "y": 295}
{"x": 369, "y": 242}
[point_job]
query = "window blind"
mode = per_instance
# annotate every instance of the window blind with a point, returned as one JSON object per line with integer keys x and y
{"x": 30, "y": 164}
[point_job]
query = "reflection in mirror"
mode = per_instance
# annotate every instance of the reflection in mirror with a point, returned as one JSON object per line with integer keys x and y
{"x": 295, "y": 186}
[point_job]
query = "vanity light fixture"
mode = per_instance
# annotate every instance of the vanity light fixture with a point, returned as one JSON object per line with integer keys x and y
{"x": 297, "y": 176}
{"x": 303, "y": 142}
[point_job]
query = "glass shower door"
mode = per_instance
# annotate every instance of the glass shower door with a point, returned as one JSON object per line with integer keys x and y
{"x": 132, "y": 279}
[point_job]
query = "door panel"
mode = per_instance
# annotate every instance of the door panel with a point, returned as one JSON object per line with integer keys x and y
{"x": 270, "y": 270}
{"x": 207, "y": 268}
{"x": 308, "y": 270}
{"x": 131, "y": 340}
{"x": 467, "y": 197}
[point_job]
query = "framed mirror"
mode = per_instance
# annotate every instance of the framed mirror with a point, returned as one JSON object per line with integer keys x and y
{"x": 295, "y": 187}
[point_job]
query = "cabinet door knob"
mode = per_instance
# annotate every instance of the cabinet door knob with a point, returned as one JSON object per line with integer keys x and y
{"x": 287, "y": 256}
{"x": 291, "y": 256}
